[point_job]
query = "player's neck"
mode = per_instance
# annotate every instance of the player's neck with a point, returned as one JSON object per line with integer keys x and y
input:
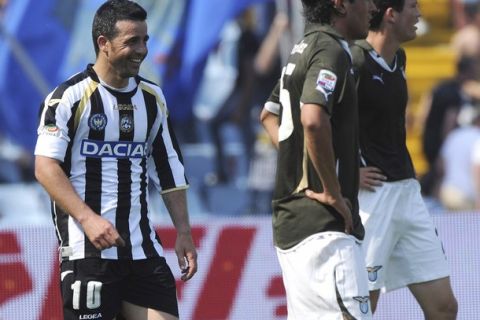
{"x": 109, "y": 75}
{"x": 384, "y": 45}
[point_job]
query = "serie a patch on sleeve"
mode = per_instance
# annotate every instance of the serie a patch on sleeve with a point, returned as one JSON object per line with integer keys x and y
{"x": 326, "y": 82}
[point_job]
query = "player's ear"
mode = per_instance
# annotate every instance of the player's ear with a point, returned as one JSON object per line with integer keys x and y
{"x": 103, "y": 44}
{"x": 389, "y": 15}
{"x": 339, "y": 6}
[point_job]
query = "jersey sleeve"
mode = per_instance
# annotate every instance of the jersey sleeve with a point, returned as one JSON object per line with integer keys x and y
{"x": 324, "y": 77}
{"x": 53, "y": 138}
{"x": 166, "y": 169}
{"x": 358, "y": 61}
{"x": 273, "y": 103}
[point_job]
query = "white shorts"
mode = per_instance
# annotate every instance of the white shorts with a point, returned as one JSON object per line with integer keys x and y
{"x": 401, "y": 243}
{"x": 324, "y": 277}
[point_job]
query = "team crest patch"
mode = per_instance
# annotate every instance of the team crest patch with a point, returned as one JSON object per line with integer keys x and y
{"x": 373, "y": 273}
{"x": 326, "y": 82}
{"x": 126, "y": 123}
{"x": 97, "y": 121}
{"x": 363, "y": 301}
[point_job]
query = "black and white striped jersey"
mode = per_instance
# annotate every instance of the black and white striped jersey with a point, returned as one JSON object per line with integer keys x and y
{"x": 110, "y": 144}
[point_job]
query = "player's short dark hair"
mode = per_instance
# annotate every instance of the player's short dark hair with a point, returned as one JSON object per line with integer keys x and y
{"x": 382, "y": 6}
{"x": 109, "y": 13}
{"x": 320, "y": 11}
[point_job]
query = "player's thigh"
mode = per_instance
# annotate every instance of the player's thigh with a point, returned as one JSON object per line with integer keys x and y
{"x": 325, "y": 275}
{"x": 152, "y": 286}
{"x": 133, "y": 312}
{"x": 418, "y": 256}
{"x": 90, "y": 289}
{"x": 379, "y": 212}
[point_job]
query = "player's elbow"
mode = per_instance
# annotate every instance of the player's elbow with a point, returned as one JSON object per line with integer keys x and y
{"x": 264, "y": 115}
{"x": 43, "y": 165}
{"x": 314, "y": 118}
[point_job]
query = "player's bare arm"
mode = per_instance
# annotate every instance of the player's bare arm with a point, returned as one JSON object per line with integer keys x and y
{"x": 318, "y": 136}
{"x": 371, "y": 177}
{"x": 269, "y": 121}
{"x": 99, "y": 231}
{"x": 176, "y": 204}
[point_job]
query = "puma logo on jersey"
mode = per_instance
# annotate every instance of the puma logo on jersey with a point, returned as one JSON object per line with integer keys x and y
{"x": 378, "y": 78}
{"x": 299, "y": 48}
{"x": 109, "y": 149}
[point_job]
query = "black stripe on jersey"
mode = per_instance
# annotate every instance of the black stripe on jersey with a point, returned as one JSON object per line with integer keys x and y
{"x": 175, "y": 143}
{"x": 160, "y": 156}
{"x": 93, "y": 172}
{"x": 57, "y": 95}
{"x": 67, "y": 162}
{"x": 124, "y": 173}
{"x": 152, "y": 110}
{"x": 60, "y": 219}
{"x": 147, "y": 244}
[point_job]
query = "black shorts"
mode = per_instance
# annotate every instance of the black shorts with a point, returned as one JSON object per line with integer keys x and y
{"x": 94, "y": 288}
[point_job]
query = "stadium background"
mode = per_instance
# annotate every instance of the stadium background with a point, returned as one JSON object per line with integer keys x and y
{"x": 44, "y": 42}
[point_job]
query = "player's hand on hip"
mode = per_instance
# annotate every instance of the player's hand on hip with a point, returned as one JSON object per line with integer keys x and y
{"x": 101, "y": 233}
{"x": 371, "y": 177}
{"x": 340, "y": 204}
{"x": 186, "y": 255}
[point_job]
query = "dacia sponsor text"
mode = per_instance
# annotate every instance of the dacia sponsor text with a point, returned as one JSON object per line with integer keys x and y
{"x": 113, "y": 149}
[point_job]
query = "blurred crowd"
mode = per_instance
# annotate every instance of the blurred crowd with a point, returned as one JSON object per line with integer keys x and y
{"x": 242, "y": 70}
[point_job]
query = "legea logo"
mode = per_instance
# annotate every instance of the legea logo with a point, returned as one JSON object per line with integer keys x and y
{"x": 109, "y": 149}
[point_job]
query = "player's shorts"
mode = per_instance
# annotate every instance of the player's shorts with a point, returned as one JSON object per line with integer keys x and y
{"x": 94, "y": 288}
{"x": 401, "y": 243}
{"x": 324, "y": 277}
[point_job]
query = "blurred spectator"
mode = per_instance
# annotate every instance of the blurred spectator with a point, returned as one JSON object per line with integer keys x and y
{"x": 258, "y": 68}
{"x": 261, "y": 175}
{"x": 466, "y": 40}
{"x": 476, "y": 172}
{"x": 441, "y": 110}
{"x": 457, "y": 190}
{"x": 459, "y": 16}
{"x": 16, "y": 164}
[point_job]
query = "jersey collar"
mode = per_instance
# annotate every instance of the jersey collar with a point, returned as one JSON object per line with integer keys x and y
{"x": 316, "y": 27}
{"x": 364, "y": 44}
{"x": 328, "y": 29}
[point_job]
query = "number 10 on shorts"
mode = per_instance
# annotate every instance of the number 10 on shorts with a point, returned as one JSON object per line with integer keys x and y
{"x": 93, "y": 294}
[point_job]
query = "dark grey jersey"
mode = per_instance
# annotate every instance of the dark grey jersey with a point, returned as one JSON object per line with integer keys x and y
{"x": 382, "y": 101}
{"x": 319, "y": 71}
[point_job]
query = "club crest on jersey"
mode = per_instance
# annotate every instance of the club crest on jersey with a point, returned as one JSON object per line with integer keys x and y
{"x": 363, "y": 301}
{"x": 97, "y": 121}
{"x": 126, "y": 123}
{"x": 373, "y": 273}
{"x": 113, "y": 149}
{"x": 326, "y": 82}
